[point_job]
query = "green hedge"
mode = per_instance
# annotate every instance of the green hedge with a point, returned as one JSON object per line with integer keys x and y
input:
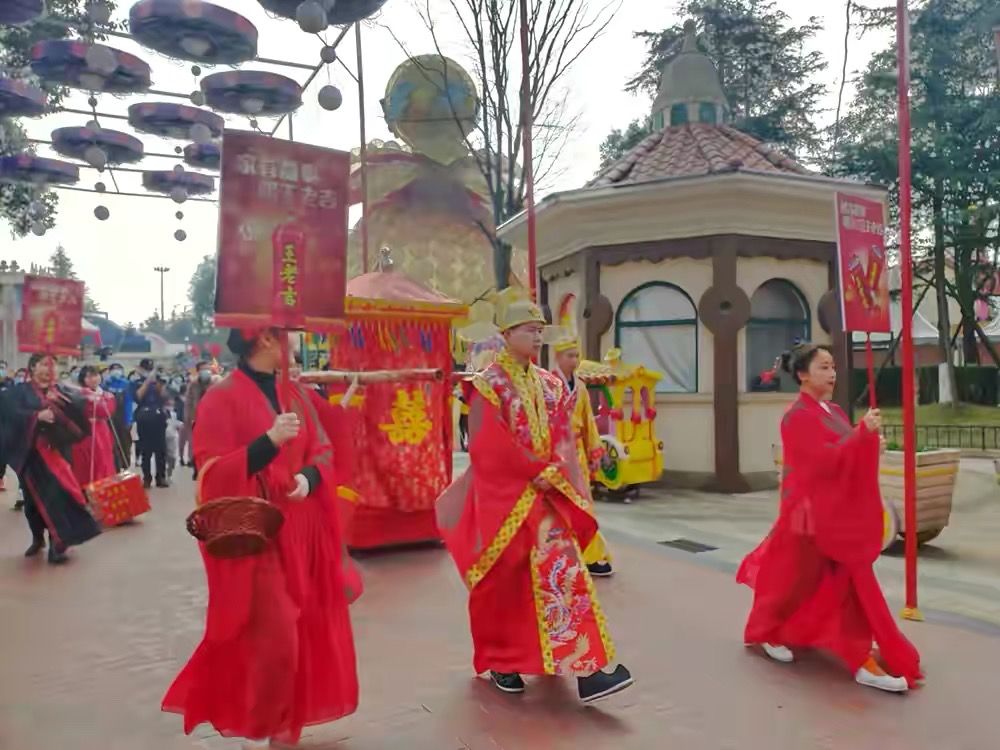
{"x": 976, "y": 385}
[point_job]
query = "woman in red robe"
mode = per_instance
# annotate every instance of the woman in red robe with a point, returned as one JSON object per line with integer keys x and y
{"x": 94, "y": 457}
{"x": 813, "y": 580}
{"x": 516, "y": 521}
{"x": 278, "y": 652}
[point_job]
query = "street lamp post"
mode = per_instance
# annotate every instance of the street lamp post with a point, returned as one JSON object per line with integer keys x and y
{"x": 162, "y": 270}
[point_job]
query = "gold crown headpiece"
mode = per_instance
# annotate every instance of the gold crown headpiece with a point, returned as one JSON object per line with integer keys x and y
{"x": 515, "y": 307}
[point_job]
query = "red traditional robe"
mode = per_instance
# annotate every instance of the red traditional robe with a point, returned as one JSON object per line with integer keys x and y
{"x": 278, "y": 652}
{"x": 532, "y": 604}
{"x": 813, "y": 580}
{"x": 94, "y": 456}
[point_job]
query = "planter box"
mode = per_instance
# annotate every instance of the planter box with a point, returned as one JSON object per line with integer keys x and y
{"x": 937, "y": 471}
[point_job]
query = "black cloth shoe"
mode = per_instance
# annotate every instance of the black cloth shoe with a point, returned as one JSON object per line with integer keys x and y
{"x": 162, "y": 483}
{"x": 37, "y": 545}
{"x": 18, "y": 505}
{"x": 600, "y": 569}
{"x": 508, "y": 682}
{"x": 147, "y": 483}
{"x": 601, "y": 684}
{"x": 57, "y": 557}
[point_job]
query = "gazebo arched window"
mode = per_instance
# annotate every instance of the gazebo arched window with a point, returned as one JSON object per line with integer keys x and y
{"x": 779, "y": 317}
{"x": 657, "y": 326}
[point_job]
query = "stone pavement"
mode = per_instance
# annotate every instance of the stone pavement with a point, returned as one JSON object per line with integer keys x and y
{"x": 88, "y": 649}
{"x": 958, "y": 573}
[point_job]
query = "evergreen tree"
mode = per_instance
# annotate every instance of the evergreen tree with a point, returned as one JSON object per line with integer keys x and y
{"x": 955, "y": 120}
{"x": 15, "y": 50}
{"x": 201, "y": 293}
{"x": 766, "y": 73}
{"x": 620, "y": 142}
{"x": 60, "y": 264}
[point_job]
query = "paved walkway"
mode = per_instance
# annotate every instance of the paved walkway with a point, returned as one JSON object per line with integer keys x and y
{"x": 959, "y": 572}
{"x": 88, "y": 649}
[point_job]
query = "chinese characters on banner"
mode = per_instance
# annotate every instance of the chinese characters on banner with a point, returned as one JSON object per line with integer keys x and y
{"x": 864, "y": 276}
{"x": 282, "y": 233}
{"x": 51, "y": 316}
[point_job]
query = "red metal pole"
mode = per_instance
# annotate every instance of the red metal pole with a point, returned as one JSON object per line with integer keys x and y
{"x": 364, "y": 152}
{"x": 527, "y": 116}
{"x": 910, "y": 611}
{"x": 870, "y": 364}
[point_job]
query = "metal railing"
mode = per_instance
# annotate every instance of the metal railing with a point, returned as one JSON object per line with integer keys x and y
{"x": 966, "y": 436}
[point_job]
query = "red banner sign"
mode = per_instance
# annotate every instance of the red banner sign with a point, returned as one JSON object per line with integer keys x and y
{"x": 51, "y": 316}
{"x": 282, "y": 233}
{"x": 864, "y": 278}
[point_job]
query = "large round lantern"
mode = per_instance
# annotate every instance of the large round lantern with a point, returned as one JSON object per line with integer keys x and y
{"x": 168, "y": 181}
{"x": 93, "y": 67}
{"x": 251, "y": 92}
{"x": 119, "y": 148}
{"x": 194, "y": 30}
{"x": 173, "y": 120}
{"x": 17, "y": 12}
{"x": 20, "y": 99}
{"x": 37, "y": 170}
{"x": 343, "y": 11}
{"x": 203, "y": 155}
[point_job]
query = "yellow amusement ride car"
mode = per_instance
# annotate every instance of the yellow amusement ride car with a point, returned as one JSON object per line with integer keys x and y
{"x": 623, "y": 398}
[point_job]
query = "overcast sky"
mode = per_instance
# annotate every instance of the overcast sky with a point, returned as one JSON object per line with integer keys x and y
{"x": 116, "y": 257}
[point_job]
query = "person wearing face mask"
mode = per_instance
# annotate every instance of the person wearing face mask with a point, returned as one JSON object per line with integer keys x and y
{"x": 278, "y": 652}
{"x": 195, "y": 393}
{"x": 121, "y": 420}
{"x": 151, "y": 420}
{"x": 515, "y": 523}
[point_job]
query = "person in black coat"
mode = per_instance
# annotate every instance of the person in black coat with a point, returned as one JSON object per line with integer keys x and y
{"x": 43, "y": 421}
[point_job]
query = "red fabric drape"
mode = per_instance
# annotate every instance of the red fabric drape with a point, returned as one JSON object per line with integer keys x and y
{"x": 813, "y": 581}
{"x": 405, "y": 429}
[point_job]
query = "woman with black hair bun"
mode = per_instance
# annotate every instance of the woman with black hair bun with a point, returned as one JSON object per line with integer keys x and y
{"x": 812, "y": 576}
{"x": 94, "y": 457}
{"x": 45, "y": 420}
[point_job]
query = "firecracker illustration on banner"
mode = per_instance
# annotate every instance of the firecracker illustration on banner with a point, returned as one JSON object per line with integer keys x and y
{"x": 861, "y": 252}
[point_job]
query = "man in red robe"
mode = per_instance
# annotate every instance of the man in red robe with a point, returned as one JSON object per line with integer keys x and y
{"x": 516, "y": 521}
{"x": 278, "y": 652}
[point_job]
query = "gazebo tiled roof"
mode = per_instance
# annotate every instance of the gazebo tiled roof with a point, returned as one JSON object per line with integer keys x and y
{"x": 691, "y": 137}
{"x": 695, "y": 149}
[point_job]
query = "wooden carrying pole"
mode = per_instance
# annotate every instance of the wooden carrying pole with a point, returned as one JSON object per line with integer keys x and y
{"x": 346, "y": 377}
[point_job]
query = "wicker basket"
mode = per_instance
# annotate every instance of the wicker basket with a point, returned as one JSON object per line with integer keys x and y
{"x": 235, "y": 526}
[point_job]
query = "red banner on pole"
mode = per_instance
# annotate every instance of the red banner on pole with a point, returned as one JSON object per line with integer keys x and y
{"x": 51, "y": 316}
{"x": 864, "y": 280}
{"x": 282, "y": 233}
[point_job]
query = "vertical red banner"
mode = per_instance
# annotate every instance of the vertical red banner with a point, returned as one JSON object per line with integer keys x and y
{"x": 51, "y": 316}
{"x": 864, "y": 283}
{"x": 282, "y": 233}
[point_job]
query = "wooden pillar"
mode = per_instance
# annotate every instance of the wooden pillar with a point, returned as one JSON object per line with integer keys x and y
{"x": 725, "y": 309}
